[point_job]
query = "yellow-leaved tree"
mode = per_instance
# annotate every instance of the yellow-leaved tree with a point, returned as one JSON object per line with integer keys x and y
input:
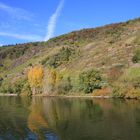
{"x": 53, "y": 78}
{"x": 35, "y": 78}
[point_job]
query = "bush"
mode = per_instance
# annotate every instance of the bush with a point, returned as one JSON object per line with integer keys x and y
{"x": 90, "y": 80}
{"x": 136, "y": 57}
{"x": 119, "y": 91}
{"x": 54, "y": 61}
{"x": 64, "y": 86}
{"x": 60, "y": 58}
{"x": 103, "y": 92}
{"x": 6, "y": 88}
{"x": 133, "y": 94}
{"x": 26, "y": 90}
{"x": 44, "y": 61}
{"x": 17, "y": 87}
{"x": 128, "y": 81}
{"x": 136, "y": 82}
{"x": 1, "y": 80}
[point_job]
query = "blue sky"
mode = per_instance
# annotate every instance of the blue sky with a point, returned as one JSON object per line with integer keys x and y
{"x": 38, "y": 20}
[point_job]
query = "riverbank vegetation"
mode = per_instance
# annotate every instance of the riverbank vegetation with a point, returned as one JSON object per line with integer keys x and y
{"x": 48, "y": 81}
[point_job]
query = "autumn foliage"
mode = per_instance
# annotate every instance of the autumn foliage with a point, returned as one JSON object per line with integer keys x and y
{"x": 35, "y": 78}
{"x": 53, "y": 77}
{"x": 102, "y": 92}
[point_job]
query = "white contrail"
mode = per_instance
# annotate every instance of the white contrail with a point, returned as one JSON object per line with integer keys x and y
{"x": 52, "y": 21}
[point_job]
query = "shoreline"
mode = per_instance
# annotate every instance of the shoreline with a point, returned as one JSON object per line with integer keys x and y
{"x": 2, "y": 94}
{"x": 69, "y": 96}
{"x": 58, "y": 96}
{"x": 63, "y": 96}
{"x": 72, "y": 96}
{"x": 85, "y": 96}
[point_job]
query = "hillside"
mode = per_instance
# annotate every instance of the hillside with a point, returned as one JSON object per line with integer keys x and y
{"x": 113, "y": 50}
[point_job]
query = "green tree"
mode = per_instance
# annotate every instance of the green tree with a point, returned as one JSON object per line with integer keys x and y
{"x": 90, "y": 80}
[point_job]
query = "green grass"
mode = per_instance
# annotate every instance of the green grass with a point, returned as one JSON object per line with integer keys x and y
{"x": 131, "y": 74}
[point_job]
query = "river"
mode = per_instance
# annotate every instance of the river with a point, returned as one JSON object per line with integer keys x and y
{"x": 43, "y": 118}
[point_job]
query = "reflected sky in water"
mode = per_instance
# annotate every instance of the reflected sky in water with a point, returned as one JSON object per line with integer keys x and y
{"x": 42, "y": 118}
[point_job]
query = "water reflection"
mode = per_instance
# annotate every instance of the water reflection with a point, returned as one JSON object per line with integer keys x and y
{"x": 42, "y": 118}
{"x": 11, "y": 114}
{"x": 37, "y": 122}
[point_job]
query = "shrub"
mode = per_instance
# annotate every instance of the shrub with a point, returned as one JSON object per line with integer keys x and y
{"x": 26, "y": 89}
{"x": 6, "y": 88}
{"x": 54, "y": 61}
{"x": 90, "y": 80}
{"x": 133, "y": 93}
{"x": 64, "y": 86}
{"x": 130, "y": 75}
{"x": 44, "y": 61}
{"x": 119, "y": 91}
{"x": 1, "y": 80}
{"x": 136, "y": 57}
{"x": 60, "y": 58}
{"x": 65, "y": 54}
{"x": 128, "y": 81}
{"x": 102, "y": 92}
{"x": 1, "y": 65}
{"x": 17, "y": 87}
{"x": 58, "y": 83}
{"x": 30, "y": 64}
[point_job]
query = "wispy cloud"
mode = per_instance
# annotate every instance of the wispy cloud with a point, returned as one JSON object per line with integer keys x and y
{"x": 14, "y": 12}
{"x": 17, "y": 17}
{"x": 52, "y": 21}
{"x": 21, "y": 36}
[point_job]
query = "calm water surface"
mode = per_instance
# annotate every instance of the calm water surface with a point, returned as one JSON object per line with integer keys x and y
{"x": 42, "y": 118}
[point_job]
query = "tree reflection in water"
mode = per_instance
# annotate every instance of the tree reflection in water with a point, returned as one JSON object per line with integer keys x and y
{"x": 37, "y": 122}
{"x": 42, "y": 118}
{"x": 23, "y": 119}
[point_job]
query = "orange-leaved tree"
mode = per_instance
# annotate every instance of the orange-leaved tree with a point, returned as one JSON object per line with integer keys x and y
{"x": 35, "y": 78}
